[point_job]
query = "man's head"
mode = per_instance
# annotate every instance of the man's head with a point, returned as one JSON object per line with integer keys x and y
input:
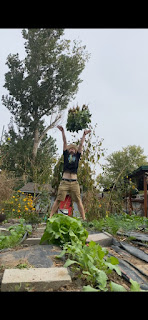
{"x": 72, "y": 148}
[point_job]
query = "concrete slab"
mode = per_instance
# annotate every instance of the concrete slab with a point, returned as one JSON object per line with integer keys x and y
{"x": 35, "y": 279}
{"x": 42, "y": 229}
{"x": 32, "y": 241}
{"x": 103, "y": 238}
{"x": 4, "y": 231}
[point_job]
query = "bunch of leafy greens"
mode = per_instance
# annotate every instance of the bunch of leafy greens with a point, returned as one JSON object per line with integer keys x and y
{"x": 61, "y": 229}
{"x": 16, "y": 234}
{"x": 78, "y": 119}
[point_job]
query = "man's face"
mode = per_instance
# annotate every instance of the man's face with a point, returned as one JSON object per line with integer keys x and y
{"x": 72, "y": 150}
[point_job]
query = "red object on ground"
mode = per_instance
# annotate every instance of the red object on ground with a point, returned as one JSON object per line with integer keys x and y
{"x": 67, "y": 204}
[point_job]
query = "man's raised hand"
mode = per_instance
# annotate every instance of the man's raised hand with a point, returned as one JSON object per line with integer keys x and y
{"x": 60, "y": 128}
{"x": 86, "y": 132}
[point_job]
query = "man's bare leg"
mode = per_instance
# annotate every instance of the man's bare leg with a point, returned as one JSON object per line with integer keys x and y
{"x": 54, "y": 207}
{"x": 81, "y": 209}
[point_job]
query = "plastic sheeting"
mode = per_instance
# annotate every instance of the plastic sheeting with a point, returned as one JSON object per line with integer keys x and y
{"x": 128, "y": 272}
{"x": 134, "y": 251}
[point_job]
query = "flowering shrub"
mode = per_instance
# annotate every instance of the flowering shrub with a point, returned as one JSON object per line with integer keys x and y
{"x": 20, "y": 206}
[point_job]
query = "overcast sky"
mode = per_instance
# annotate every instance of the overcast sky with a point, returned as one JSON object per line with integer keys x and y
{"x": 115, "y": 84}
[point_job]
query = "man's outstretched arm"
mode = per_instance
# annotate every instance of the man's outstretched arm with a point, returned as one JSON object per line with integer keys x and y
{"x": 82, "y": 140}
{"x": 64, "y": 137}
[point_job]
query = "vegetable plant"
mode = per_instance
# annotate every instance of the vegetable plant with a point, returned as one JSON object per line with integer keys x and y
{"x": 16, "y": 233}
{"x": 61, "y": 229}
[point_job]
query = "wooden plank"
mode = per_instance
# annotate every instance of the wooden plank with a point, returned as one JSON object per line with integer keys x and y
{"x": 145, "y": 194}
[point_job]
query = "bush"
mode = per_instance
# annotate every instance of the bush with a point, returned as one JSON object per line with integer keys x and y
{"x": 19, "y": 206}
{"x": 6, "y": 187}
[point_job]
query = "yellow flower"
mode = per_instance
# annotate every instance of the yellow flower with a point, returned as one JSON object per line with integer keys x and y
{"x": 107, "y": 212}
{"x": 33, "y": 208}
{"x": 18, "y": 210}
{"x": 26, "y": 209}
{"x": 24, "y": 199}
{"x": 13, "y": 209}
{"x": 16, "y": 199}
{"x": 13, "y": 197}
{"x": 100, "y": 205}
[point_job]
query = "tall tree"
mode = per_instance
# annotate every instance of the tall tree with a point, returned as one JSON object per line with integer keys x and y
{"x": 120, "y": 164}
{"x": 16, "y": 152}
{"x": 44, "y": 82}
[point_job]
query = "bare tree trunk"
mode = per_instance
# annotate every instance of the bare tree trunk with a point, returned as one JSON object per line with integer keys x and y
{"x": 35, "y": 144}
{"x": 37, "y": 138}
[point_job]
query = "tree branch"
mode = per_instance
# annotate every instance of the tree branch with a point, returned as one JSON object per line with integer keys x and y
{"x": 49, "y": 127}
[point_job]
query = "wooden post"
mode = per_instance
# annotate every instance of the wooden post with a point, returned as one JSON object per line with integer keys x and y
{"x": 145, "y": 194}
{"x": 130, "y": 204}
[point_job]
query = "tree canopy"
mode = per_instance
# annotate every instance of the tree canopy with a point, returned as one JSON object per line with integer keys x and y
{"x": 44, "y": 82}
{"x": 120, "y": 164}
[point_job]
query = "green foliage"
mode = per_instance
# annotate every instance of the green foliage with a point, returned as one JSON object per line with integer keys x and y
{"x": 17, "y": 232}
{"x": 90, "y": 260}
{"x": 78, "y": 119}
{"x": 114, "y": 222}
{"x": 125, "y": 161}
{"x": 93, "y": 262}
{"x": 57, "y": 173}
{"x": 61, "y": 229}
{"x": 44, "y": 82}
{"x": 16, "y": 155}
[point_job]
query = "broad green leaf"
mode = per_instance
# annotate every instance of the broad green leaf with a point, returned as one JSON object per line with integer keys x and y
{"x": 113, "y": 267}
{"x": 61, "y": 254}
{"x": 102, "y": 279}
{"x": 45, "y": 237}
{"x": 116, "y": 287}
{"x": 69, "y": 263}
{"x": 90, "y": 289}
{"x": 112, "y": 260}
{"x": 134, "y": 285}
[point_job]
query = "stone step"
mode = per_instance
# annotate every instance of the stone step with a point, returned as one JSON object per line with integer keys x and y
{"x": 35, "y": 279}
{"x": 103, "y": 238}
{"x": 42, "y": 229}
{"x": 32, "y": 241}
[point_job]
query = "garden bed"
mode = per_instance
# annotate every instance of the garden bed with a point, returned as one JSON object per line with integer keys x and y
{"x": 80, "y": 281}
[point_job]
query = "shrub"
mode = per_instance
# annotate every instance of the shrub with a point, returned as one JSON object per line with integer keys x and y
{"x": 19, "y": 206}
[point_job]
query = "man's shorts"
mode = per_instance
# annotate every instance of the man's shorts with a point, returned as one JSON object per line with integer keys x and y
{"x": 69, "y": 187}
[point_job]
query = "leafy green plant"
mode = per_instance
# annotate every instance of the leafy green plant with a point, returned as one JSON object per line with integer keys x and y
{"x": 115, "y": 287}
{"x": 93, "y": 262}
{"x": 114, "y": 222}
{"x": 16, "y": 233}
{"x": 61, "y": 229}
